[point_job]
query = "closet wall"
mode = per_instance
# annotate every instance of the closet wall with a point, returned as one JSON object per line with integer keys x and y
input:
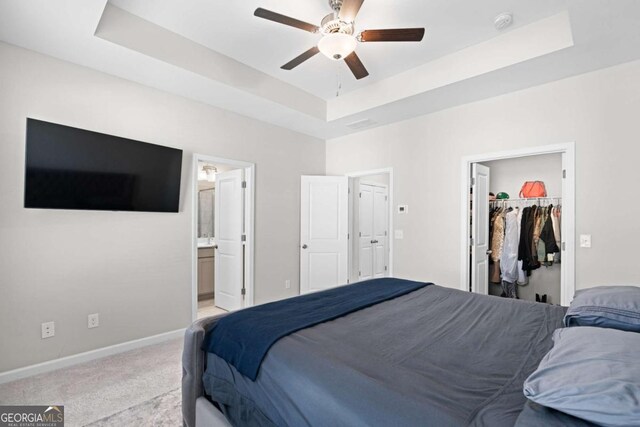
{"x": 508, "y": 176}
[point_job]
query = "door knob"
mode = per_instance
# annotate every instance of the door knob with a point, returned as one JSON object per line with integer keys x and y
{"x": 304, "y": 246}
{"x": 374, "y": 241}
{"x": 489, "y": 251}
{"x": 215, "y": 246}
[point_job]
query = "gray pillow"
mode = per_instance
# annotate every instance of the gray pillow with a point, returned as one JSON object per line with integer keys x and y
{"x": 616, "y": 307}
{"x": 592, "y": 374}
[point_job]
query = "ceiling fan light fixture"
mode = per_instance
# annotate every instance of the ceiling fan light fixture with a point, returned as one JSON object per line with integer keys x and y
{"x": 337, "y": 46}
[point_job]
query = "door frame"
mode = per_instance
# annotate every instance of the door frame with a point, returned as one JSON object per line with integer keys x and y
{"x": 365, "y": 173}
{"x": 475, "y": 229}
{"x": 568, "y": 277}
{"x": 249, "y": 227}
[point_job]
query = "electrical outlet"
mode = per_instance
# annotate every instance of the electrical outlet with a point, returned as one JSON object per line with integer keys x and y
{"x": 48, "y": 329}
{"x": 93, "y": 320}
{"x": 287, "y": 284}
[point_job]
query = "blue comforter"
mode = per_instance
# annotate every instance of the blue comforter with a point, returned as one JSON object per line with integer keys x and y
{"x": 243, "y": 338}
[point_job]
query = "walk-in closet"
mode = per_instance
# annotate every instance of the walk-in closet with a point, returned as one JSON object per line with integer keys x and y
{"x": 518, "y": 230}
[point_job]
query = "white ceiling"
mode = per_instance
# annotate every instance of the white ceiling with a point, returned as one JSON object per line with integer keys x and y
{"x": 230, "y": 28}
{"x": 218, "y": 53}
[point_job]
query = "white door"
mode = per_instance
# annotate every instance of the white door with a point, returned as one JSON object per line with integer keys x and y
{"x": 366, "y": 263}
{"x": 372, "y": 231}
{"x": 228, "y": 230}
{"x": 323, "y": 232}
{"x": 480, "y": 177}
{"x": 380, "y": 231}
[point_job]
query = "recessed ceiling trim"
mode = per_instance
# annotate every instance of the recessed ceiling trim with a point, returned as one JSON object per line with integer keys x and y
{"x": 125, "y": 29}
{"x": 531, "y": 41}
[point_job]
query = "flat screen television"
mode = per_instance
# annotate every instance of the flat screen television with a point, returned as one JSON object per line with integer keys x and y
{"x": 70, "y": 168}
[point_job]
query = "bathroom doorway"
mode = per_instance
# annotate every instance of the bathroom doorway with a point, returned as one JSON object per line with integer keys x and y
{"x": 222, "y": 273}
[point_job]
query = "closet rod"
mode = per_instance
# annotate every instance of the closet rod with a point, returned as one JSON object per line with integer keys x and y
{"x": 529, "y": 199}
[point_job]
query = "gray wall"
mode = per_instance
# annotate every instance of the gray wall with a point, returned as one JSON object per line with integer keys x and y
{"x": 132, "y": 268}
{"x": 508, "y": 176}
{"x": 599, "y": 111}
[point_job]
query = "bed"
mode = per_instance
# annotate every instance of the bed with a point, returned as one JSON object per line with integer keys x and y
{"x": 434, "y": 356}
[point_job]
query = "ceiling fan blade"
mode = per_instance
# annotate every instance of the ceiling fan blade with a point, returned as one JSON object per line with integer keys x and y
{"x": 350, "y": 9}
{"x": 300, "y": 59}
{"x": 393, "y": 35}
{"x": 286, "y": 20}
{"x": 355, "y": 65}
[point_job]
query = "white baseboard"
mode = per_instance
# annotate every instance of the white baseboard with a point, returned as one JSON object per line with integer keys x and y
{"x": 63, "y": 362}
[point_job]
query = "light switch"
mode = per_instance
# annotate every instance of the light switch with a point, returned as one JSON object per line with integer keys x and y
{"x": 399, "y": 234}
{"x": 585, "y": 240}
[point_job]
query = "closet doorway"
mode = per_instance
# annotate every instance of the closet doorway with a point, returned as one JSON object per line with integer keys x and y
{"x": 370, "y": 219}
{"x": 222, "y": 276}
{"x": 495, "y": 232}
{"x": 345, "y": 224}
{"x": 370, "y": 227}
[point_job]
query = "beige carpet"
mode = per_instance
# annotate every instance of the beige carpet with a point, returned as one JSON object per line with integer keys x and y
{"x": 138, "y": 388}
{"x": 161, "y": 411}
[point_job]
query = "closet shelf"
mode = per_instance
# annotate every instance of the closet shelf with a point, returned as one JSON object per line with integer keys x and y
{"x": 528, "y": 199}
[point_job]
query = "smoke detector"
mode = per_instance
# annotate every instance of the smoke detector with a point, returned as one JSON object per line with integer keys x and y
{"x": 502, "y": 21}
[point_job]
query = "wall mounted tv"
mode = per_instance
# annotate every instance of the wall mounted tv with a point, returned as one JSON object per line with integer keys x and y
{"x": 70, "y": 168}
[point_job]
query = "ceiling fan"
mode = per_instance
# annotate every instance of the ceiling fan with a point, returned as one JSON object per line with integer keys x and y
{"x": 339, "y": 38}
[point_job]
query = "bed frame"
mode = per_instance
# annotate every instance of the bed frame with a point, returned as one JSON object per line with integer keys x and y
{"x": 197, "y": 410}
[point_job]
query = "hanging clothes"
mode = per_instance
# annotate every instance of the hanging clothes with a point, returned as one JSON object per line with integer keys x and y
{"x": 497, "y": 241}
{"x": 547, "y": 236}
{"x": 523, "y": 279}
{"x": 521, "y": 240}
{"x": 509, "y": 257}
{"x": 527, "y": 250}
{"x": 555, "y": 222}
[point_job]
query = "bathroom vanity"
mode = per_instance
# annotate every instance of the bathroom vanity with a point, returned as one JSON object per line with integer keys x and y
{"x": 205, "y": 272}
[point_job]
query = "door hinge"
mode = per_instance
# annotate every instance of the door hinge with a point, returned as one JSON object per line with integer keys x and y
{"x": 385, "y": 198}
{"x": 360, "y": 195}
{"x": 360, "y": 233}
{"x": 348, "y": 236}
{"x": 471, "y": 241}
{"x": 473, "y": 181}
{"x": 243, "y": 291}
{"x": 564, "y": 173}
{"x": 385, "y": 268}
{"x": 385, "y": 232}
{"x": 243, "y": 238}
{"x": 347, "y": 281}
{"x": 244, "y": 184}
{"x": 564, "y": 246}
{"x": 359, "y": 273}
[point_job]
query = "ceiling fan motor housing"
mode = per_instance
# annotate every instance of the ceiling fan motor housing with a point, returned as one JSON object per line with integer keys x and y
{"x": 333, "y": 24}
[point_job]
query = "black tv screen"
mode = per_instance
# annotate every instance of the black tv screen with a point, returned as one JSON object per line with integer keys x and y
{"x": 70, "y": 168}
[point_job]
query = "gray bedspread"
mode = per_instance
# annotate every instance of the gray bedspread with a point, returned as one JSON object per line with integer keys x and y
{"x": 434, "y": 357}
{"x": 534, "y": 415}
